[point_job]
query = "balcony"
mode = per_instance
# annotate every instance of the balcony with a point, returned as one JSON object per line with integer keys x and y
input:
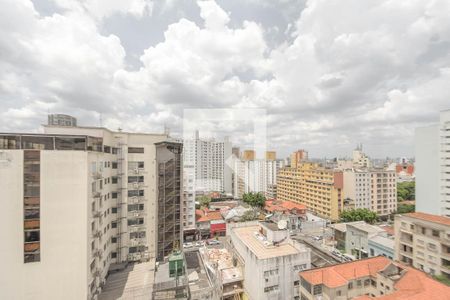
{"x": 96, "y": 194}
{"x": 97, "y": 234}
{"x": 96, "y": 214}
{"x": 97, "y": 253}
{"x": 96, "y": 175}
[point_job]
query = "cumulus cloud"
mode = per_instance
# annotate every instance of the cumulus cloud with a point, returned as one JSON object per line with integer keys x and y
{"x": 351, "y": 71}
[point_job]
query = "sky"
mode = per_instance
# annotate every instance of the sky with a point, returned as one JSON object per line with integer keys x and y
{"x": 325, "y": 74}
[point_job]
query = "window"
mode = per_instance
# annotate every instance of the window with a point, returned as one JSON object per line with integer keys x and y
{"x": 135, "y": 193}
{"x": 317, "y": 289}
{"x": 114, "y": 165}
{"x": 113, "y": 225}
{"x": 339, "y": 293}
{"x": 137, "y": 221}
{"x": 135, "y": 150}
{"x": 137, "y": 235}
{"x": 350, "y": 285}
{"x": 366, "y": 282}
{"x": 135, "y": 207}
{"x": 114, "y": 195}
{"x": 113, "y": 254}
{"x": 32, "y": 236}
{"x": 114, "y": 180}
{"x": 297, "y": 283}
{"x": 113, "y": 240}
{"x": 359, "y": 283}
{"x": 435, "y": 233}
{"x": 114, "y": 210}
{"x": 133, "y": 179}
{"x": 271, "y": 288}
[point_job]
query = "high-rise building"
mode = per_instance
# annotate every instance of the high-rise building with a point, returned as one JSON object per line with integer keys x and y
{"x": 374, "y": 189}
{"x": 423, "y": 241}
{"x": 297, "y": 157}
{"x": 61, "y": 120}
{"x": 432, "y": 149}
{"x": 81, "y": 199}
{"x": 319, "y": 188}
{"x": 236, "y": 151}
{"x": 271, "y": 155}
{"x": 255, "y": 175}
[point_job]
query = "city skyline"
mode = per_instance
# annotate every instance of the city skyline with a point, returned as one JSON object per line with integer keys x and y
{"x": 328, "y": 77}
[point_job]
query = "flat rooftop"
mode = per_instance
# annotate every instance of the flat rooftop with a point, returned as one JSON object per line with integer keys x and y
{"x": 133, "y": 282}
{"x": 247, "y": 236}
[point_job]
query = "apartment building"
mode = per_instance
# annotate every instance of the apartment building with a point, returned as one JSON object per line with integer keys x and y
{"x": 249, "y": 155}
{"x": 255, "y": 176}
{"x": 374, "y": 189}
{"x": 205, "y": 170}
{"x": 432, "y": 153}
{"x": 271, "y": 155}
{"x": 270, "y": 258}
{"x": 359, "y": 160}
{"x": 298, "y": 156}
{"x": 319, "y": 188}
{"x": 423, "y": 241}
{"x": 371, "y": 278}
{"x": 76, "y": 188}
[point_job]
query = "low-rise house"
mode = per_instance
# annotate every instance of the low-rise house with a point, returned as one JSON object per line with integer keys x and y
{"x": 371, "y": 278}
{"x": 209, "y": 223}
{"x": 293, "y": 213}
{"x": 381, "y": 245}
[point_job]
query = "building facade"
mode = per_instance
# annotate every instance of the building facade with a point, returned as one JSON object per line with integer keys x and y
{"x": 255, "y": 176}
{"x": 76, "y": 188}
{"x": 423, "y": 241}
{"x": 432, "y": 167}
{"x": 374, "y": 189}
{"x": 270, "y": 258}
{"x": 371, "y": 278}
{"x": 297, "y": 157}
{"x": 320, "y": 189}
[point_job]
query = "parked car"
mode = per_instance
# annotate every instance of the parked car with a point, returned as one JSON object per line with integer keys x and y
{"x": 213, "y": 242}
{"x": 317, "y": 238}
{"x": 188, "y": 245}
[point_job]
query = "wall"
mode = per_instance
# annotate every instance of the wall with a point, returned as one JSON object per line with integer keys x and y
{"x": 62, "y": 271}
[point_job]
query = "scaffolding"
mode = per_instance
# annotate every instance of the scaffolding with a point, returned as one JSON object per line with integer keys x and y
{"x": 168, "y": 157}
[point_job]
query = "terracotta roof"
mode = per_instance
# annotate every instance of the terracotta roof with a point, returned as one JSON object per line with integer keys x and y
{"x": 279, "y": 205}
{"x": 205, "y": 215}
{"x": 389, "y": 229}
{"x": 413, "y": 285}
{"x": 339, "y": 275}
{"x": 429, "y": 217}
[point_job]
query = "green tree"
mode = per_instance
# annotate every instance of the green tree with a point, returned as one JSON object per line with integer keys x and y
{"x": 249, "y": 215}
{"x": 405, "y": 208}
{"x": 254, "y": 199}
{"x": 443, "y": 279}
{"x": 204, "y": 201}
{"x": 359, "y": 214}
{"x": 406, "y": 191}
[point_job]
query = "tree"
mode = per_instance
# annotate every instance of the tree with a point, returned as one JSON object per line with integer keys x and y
{"x": 406, "y": 191}
{"x": 405, "y": 208}
{"x": 249, "y": 215}
{"x": 359, "y": 214}
{"x": 204, "y": 201}
{"x": 254, "y": 199}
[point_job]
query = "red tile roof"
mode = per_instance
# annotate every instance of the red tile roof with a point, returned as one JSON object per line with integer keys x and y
{"x": 278, "y": 205}
{"x": 429, "y": 217}
{"x": 413, "y": 285}
{"x": 206, "y": 215}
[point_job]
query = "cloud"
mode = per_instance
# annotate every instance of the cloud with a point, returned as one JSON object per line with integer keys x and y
{"x": 351, "y": 71}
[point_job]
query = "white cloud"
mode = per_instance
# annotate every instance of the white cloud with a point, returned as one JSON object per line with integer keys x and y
{"x": 354, "y": 71}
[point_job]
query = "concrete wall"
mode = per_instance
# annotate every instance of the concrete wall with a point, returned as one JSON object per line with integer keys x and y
{"x": 427, "y": 170}
{"x": 62, "y": 270}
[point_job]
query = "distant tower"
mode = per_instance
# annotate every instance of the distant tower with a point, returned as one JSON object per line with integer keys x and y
{"x": 62, "y": 120}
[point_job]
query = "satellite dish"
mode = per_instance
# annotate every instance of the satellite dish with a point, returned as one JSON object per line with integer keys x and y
{"x": 282, "y": 224}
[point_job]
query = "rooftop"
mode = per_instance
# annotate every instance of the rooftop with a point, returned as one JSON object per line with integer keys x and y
{"x": 410, "y": 284}
{"x": 343, "y": 226}
{"x": 133, "y": 282}
{"x": 382, "y": 240}
{"x": 430, "y": 218}
{"x": 279, "y": 205}
{"x": 247, "y": 236}
{"x": 367, "y": 227}
{"x": 206, "y": 215}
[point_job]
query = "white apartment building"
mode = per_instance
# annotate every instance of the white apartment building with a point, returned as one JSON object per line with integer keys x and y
{"x": 81, "y": 199}
{"x": 423, "y": 241}
{"x": 374, "y": 189}
{"x": 208, "y": 158}
{"x": 359, "y": 160}
{"x": 271, "y": 260}
{"x": 255, "y": 176}
{"x": 432, "y": 167}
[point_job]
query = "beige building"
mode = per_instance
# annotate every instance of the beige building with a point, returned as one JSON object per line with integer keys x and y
{"x": 80, "y": 200}
{"x": 423, "y": 241}
{"x": 374, "y": 189}
{"x": 372, "y": 278}
{"x": 320, "y": 189}
{"x": 297, "y": 157}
